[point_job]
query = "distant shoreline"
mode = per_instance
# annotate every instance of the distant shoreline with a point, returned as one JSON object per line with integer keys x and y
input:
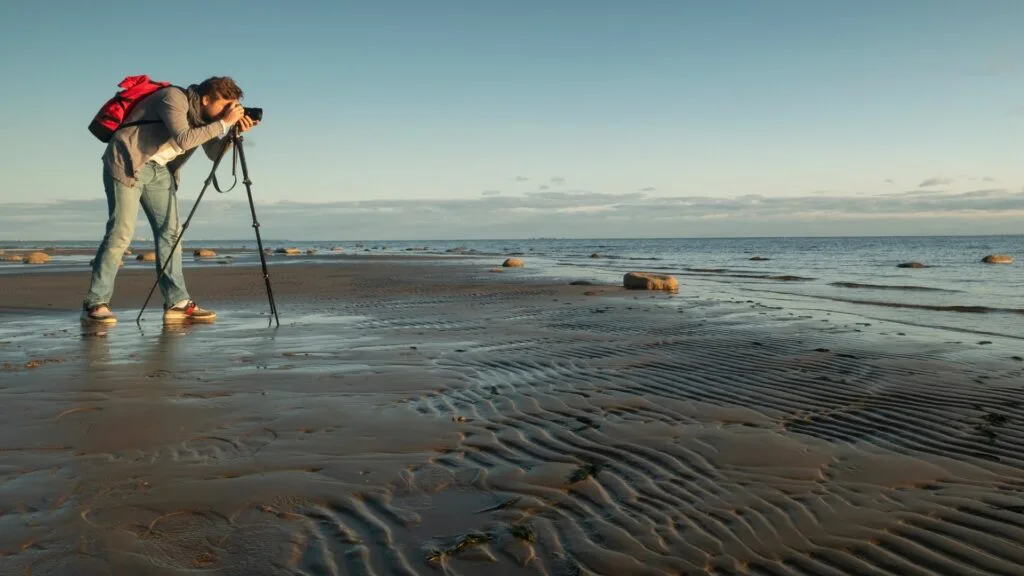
{"x": 266, "y": 241}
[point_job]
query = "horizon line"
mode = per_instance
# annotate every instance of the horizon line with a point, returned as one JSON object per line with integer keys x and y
{"x": 538, "y": 238}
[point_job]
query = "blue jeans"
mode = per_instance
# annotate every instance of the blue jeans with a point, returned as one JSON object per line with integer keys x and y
{"x": 155, "y": 191}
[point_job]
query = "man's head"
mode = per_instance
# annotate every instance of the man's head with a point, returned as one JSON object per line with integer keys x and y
{"x": 217, "y": 94}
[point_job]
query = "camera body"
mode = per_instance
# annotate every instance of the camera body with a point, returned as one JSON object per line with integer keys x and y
{"x": 254, "y": 113}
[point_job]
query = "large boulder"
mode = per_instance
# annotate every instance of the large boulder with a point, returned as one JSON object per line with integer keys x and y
{"x": 998, "y": 259}
{"x": 36, "y": 258}
{"x": 513, "y": 263}
{"x": 146, "y": 257}
{"x": 648, "y": 281}
{"x": 204, "y": 253}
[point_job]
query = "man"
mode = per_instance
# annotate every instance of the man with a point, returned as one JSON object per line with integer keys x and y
{"x": 142, "y": 165}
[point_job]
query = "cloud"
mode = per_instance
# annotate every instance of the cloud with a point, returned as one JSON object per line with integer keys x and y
{"x": 649, "y": 189}
{"x": 911, "y": 193}
{"x": 521, "y": 178}
{"x": 491, "y": 192}
{"x": 1002, "y": 64}
{"x": 930, "y": 182}
{"x": 555, "y": 213}
{"x": 543, "y": 187}
{"x": 557, "y": 180}
{"x": 889, "y": 181}
{"x": 988, "y": 179}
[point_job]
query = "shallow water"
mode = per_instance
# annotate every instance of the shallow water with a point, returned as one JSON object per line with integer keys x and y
{"x": 859, "y": 275}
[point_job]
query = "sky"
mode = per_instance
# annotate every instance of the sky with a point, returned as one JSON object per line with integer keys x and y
{"x": 467, "y": 119}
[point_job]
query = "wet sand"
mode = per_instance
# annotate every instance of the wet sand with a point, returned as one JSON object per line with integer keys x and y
{"x": 419, "y": 417}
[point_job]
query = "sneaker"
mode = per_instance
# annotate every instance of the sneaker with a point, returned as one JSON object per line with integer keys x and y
{"x": 188, "y": 312}
{"x": 99, "y": 313}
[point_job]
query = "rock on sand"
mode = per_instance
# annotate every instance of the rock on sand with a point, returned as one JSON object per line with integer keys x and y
{"x": 998, "y": 259}
{"x": 204, "y": 253}
{"x": 911, "y": 265}
{"x": 36, "y": 258}
{"x": 648, "y": 281}
{"x": 288, "y": 251}
{"x": 146, "y": 257}
{"x": 513, "y": 263}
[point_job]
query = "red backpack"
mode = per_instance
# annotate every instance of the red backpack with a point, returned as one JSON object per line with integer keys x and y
{"x": 110, "y": 117}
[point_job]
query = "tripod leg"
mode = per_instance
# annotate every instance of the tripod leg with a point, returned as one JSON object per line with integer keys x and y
{"x": 181, "y": 233}
{"x": 256, "y": 225}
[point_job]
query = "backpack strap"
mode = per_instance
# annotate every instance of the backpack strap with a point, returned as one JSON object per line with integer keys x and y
{"x": 137, "y": 123}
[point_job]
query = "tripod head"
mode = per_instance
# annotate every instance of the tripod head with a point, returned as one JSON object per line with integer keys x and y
{"x": 234, "y": 139}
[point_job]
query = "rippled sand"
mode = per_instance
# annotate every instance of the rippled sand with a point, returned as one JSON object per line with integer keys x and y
{"x": 414, "y": 418}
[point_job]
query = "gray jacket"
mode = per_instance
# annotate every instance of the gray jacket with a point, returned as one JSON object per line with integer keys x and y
{"x": 132, "y": 146}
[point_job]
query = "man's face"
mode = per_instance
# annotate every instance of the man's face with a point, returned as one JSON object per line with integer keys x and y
{"x": 213, "y": 107}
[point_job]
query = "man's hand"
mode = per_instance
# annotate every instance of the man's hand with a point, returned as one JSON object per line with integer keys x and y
{"x": 233, "y": 114}
{"x": 246, "y": 123}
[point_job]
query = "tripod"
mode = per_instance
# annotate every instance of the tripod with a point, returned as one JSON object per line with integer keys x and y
{"x": 235, "y": 137}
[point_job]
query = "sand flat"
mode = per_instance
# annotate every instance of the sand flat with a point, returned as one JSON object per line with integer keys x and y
{"x": 422, "y": 417}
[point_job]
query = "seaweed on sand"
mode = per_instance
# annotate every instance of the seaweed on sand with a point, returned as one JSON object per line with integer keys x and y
{"x": 523, "y": 531}
{"x": 471, "y": 538}
{"x": 586, "y": 470}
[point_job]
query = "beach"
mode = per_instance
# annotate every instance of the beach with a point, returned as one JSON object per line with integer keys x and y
{"x": 425, "y": 414}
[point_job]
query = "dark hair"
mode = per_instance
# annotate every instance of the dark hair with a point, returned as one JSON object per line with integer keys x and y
{"x": 220, "y": 87}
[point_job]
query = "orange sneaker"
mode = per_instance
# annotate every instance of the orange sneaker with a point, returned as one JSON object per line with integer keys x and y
{"x": 100, "y": 314}
{"x": 189, "y": 312}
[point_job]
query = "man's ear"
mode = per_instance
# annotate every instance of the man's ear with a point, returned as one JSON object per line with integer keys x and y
{"x": 204, "y": 100}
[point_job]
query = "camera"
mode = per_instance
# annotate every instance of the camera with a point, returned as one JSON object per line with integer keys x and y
{"x": 254, "y": 113}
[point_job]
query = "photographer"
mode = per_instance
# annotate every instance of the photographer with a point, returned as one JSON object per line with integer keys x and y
{"x": 142, "y": 165}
